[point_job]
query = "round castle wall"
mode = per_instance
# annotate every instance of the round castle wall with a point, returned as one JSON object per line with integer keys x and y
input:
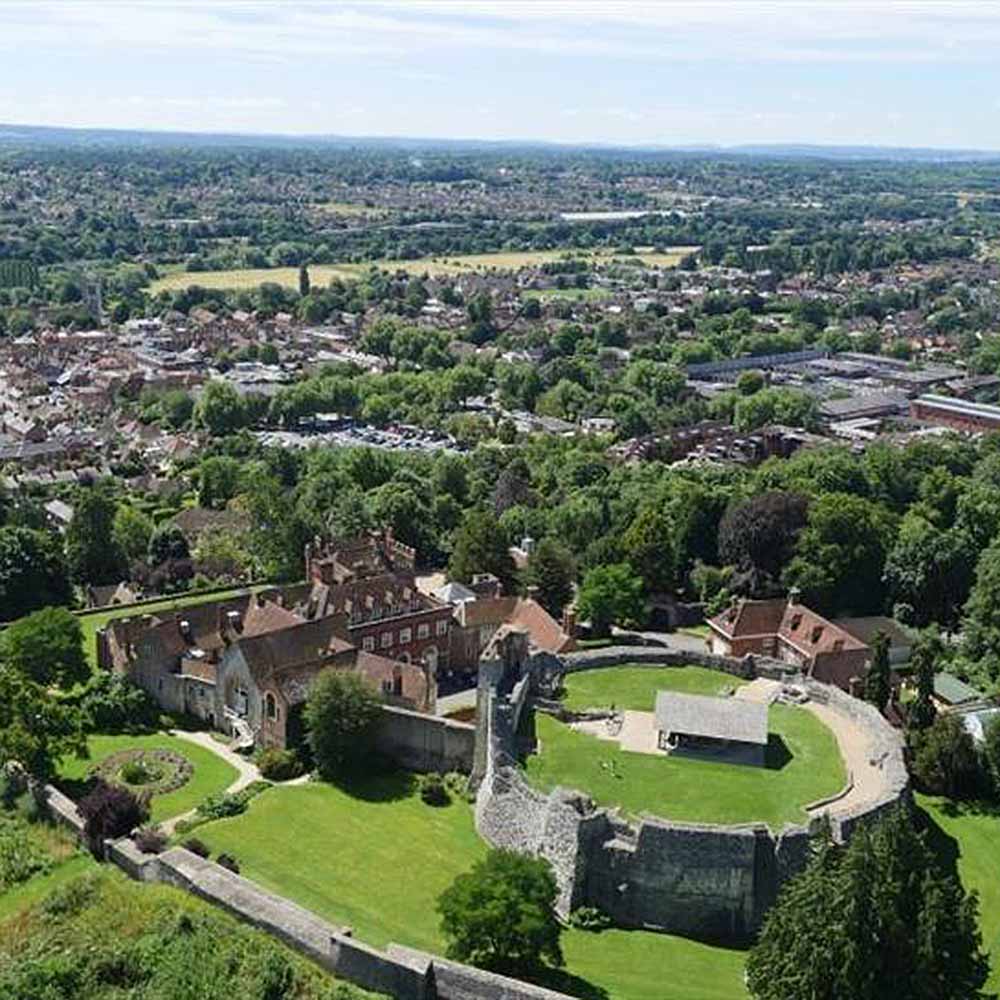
{"x": 701, "y": 880}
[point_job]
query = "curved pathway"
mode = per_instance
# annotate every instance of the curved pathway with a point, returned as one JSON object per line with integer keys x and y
{"x": 248, "y": 771}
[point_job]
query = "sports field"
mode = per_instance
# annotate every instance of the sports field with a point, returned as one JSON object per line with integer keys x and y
{"x": 321, "y": 274}
{"x": 803, "y": 759}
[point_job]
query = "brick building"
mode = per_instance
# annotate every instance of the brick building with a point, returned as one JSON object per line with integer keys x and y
{"x": 788, "y": 631}
{"x": 958, "y": 414}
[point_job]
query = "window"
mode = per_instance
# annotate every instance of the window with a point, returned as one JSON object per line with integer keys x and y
{"x": 386, "y": 640}
{"x": 405, "y": 635}
{"x": 270, "y": 706}
{"x": 368, "y": 643}
{"x": 386, "y": 687}
{"x": 442, "y": 627}
{"x": 423, "y": 631}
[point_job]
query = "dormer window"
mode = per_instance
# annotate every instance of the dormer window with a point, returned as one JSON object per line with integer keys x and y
{"x": 796, "y": 621}
{"x": 816, "y": 633}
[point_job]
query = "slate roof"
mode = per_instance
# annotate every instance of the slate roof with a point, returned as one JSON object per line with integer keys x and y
{"x": 948, "y": 688}
{"x": 714, "y": 718}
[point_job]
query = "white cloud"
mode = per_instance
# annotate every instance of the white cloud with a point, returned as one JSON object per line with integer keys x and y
{"x": 790, "y": 31}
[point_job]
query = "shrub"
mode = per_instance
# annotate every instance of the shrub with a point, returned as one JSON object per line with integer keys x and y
{"x": 433, "y": 791}
{"x": 150, "y": 840}
{"x": 139, "y": 772}
{"x": 280, "y": 765}
{"x": 458, "y": 784}
{"x": 589, "y": 918}
{"x": 196, "y": 846}
{"x": 20, "y": 855}
{"x": 111, "y": 811}
{"x": 221, "y": 805}
{"x": 228, "y": 862}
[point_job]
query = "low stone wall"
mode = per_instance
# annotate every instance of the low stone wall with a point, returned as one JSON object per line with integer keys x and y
{"x": 61, "y": 808}
{"x": 421, "y": 742}
{"x": 712, "y": 882}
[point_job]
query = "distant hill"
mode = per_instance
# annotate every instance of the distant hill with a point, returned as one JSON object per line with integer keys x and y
{"x": 35, "y": 136}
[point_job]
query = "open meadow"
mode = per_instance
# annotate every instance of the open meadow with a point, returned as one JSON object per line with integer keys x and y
{"x": 444, "y": 266}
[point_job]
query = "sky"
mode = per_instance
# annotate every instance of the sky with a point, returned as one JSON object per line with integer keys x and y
{"x": 903, "y": 73}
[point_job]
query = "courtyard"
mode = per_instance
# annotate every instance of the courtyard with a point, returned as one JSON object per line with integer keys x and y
{"x": 802, "y": 758}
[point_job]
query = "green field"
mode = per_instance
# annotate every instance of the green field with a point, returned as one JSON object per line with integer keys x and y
{"x": 91, "y": 624}
{"x": 968, "y": 836}
{"x": 377, "y": 858}
{"x": 804, "y": 762}
{"x": 211, "y": 773}
{"x": 321, "y": 274}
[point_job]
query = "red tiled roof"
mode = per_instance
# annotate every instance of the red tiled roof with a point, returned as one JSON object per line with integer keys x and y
{"x": 749, "y": 618}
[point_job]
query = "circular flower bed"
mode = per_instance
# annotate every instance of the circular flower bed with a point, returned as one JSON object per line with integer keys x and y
{"x": 155, "y": 772}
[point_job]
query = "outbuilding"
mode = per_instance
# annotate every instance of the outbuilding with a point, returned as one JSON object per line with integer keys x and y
{"x": 729, "y": 729}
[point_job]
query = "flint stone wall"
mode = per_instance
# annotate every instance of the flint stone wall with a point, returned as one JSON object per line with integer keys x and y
{"x": 713, "y": 882}
{"x": 421, "y": 742}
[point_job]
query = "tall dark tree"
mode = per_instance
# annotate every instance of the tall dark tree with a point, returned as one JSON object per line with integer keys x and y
{"x": 341, "y": 714}
{"x": 92, "y": 552}
{"x": 479, "y": 547}
{"x": 758, "y": 537}
{"x": 552, "y": 570}
{"x": 878, "y": 918}
{"x": 33, "y": 572}
{"x": 47, "y": 648}
{"x": 648, "y": 545}
{"x": 878, "y": 682}
{"x": 304, "y": 283}
{"x": 924, "y": 658}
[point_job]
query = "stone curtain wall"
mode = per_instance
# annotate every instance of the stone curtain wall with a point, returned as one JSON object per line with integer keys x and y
{"x": 421, "y": 742}
{"x": 701, "y": 880}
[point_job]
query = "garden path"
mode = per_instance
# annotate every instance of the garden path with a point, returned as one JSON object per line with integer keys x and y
{"x": 248, "y": 770}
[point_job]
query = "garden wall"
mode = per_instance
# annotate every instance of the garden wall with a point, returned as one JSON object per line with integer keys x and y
{"x": 421, "y": 742}
{"x": 714, "y": 882}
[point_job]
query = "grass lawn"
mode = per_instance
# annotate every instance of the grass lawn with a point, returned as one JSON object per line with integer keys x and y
{"x": 804, "y": 762}
{"x": 968, "y": 836}
{"x": 91, "y": 624}
{"x": 37, "y": 888}
{"x": 377, "y": 858}
{"x": 321, "y": 274}
{"x": 635, "y": 688}
{"x": 211, "y": 773}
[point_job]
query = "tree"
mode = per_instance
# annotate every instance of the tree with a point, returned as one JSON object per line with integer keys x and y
{"x": 501, "y": 914}
{"x": 220, "y": 410}
{"x": 648, "y": 546}
{"x": 991, "y": 750}
{"x": 758, "y": 536}
{"x": 131, "y": 532}
{"x": 47, "y": 648}
{"x": 611, "y": 594}
{"x": 840, "y": 555}
{"x": 33, "y": 571}
{"x": 478, "y": 547}
{"x": 92, "y": 553}
{"x": 923, "y": 658}
{"x": 878, "y": 682}
{"x": 981, "y": 623}
{"x": 877, "y": 918}
{"x": 166, "y": 543}
{"x": 37, "y": 728}
{"x": 944, "y": 759}
{"x": 304, "y": 284}
{"x": 552, "y": 570}
{"x": 218, "y": 481}
{"x": 340, "y": 714}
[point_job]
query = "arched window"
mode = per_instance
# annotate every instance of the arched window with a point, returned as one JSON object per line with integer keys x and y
{"x": 270, "y": 706}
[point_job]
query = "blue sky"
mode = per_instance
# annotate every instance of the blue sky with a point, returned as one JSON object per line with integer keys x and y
{"x": 891, "y": 73}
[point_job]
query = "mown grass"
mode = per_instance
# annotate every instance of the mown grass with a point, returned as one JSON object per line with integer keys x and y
{"x": 375, "y": 857}
{"x": 321, "y": 274}
{"x": 967, "y": 836}
{"x": 211, "y": 773}
{"x": 803, "y": 759}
